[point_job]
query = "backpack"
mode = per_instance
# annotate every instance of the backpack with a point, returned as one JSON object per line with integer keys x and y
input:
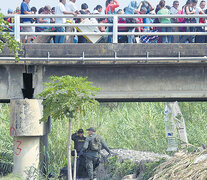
{"x": 132, "y": 7}
{"x": 95, "y": 143}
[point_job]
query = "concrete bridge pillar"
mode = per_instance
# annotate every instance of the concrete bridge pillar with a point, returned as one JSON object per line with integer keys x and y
{"x": 27, "y": 132}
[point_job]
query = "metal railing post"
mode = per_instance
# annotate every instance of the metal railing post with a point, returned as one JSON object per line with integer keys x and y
{"x": 17, "y": 27}
{"x": 115, "y": 29}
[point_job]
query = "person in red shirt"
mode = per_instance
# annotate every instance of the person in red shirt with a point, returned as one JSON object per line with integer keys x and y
{"x": 111, "y": 5}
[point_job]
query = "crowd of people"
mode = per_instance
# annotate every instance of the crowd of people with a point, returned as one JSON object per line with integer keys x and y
{"x": 112, "y": 7}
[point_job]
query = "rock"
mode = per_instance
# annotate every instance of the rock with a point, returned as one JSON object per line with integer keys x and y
{"x": 136, "y": 156}
{"x": 129, "y": 177}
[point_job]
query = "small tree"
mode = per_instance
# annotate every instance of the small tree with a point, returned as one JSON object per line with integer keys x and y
{"x": 7, "y": 40}
{"x": 64, "y": 97}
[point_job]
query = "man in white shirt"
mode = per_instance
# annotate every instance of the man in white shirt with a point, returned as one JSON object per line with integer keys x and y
{"x": 199, "y": 10}
{"x": 70, "y": 7}
{"x": 61, "y": 10}
{"x": 174, "y": 10}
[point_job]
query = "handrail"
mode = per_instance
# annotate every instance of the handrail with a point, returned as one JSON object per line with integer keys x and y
{"x": 107, "y": 16}
{"x": 115, "y": 58}
{"x": 115, "y": 25}
{"x": 118, "y": 24}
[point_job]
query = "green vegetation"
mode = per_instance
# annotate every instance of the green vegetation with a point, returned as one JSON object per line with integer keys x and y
{"x": 7, "y": 40}
{"x": 150, "y": 168}
{"x": 119, "y": 169}
{"x": 6, "y": 142}
{"x": 10, "y": 177}
{"x": 67, "y": 97}
{"x": 138, "y": 126}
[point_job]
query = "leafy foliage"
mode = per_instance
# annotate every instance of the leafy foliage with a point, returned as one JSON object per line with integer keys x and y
{"x": 6, "y": 143}
{"x": 118, "y": 169}
{"x": 150, "y": 168}
{"x": 66, "y": 94}
{"x": 7, "y": 40}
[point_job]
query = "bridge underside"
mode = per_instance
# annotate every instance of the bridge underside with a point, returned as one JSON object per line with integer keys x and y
{"x": 126, "y": 81}
{"x": 118, "y": 82}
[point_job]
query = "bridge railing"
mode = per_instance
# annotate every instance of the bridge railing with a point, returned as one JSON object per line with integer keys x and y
{"x": 17, "y": 25}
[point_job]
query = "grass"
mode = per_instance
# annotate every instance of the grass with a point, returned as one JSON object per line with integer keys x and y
{"x": 6, "y": 141}
{"x": 117, "y": 169}
{"x": 10, "y": 177}
{"x": 138, "y": 126}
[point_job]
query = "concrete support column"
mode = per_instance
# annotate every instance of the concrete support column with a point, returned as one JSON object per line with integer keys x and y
{"x": 27, "y": 131}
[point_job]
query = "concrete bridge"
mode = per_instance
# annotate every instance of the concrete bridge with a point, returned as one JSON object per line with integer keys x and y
{"x": 125, "y": 72}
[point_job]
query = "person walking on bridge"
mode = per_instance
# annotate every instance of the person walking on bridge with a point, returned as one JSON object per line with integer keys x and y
{"x": 111, "y": 5}
{"x": 91, "y": 149}
{"x": 61, "y": 10}
{"x": 25, "y": 9}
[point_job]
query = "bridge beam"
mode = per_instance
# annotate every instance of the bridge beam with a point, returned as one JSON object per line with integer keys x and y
{"x": 135, "y": 82}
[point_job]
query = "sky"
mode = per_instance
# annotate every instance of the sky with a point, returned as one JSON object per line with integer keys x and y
{"x": 91, "y": 3}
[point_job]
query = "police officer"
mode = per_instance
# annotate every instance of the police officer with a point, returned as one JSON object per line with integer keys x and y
{"x": 79, "y": 140}
{"x": 92, "y": 156}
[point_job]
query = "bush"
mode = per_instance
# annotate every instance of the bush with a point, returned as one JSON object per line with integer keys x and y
{"x": 6, "y": 142}
{"x": 118, "y": 169}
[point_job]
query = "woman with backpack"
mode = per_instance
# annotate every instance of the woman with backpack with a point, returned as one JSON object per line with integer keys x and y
{"x": 149, "y": 7}
{"x": 111, "y": 5}
{"x": 132, "y": 8}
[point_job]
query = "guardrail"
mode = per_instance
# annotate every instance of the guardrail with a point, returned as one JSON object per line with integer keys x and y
{"x": 115, "y": 25}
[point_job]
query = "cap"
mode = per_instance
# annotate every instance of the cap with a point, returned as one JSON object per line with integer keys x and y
{"x": 91, "y": 129}
{"x": 10, "y": 11}
{"x": 80, "y": 131}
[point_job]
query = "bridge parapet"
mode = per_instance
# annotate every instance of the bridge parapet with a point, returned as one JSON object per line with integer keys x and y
{"x": 108, "y": 53}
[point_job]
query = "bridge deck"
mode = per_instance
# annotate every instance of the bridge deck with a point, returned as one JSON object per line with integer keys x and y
{"x": 159, "y": 79}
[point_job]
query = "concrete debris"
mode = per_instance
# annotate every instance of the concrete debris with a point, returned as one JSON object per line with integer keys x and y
{"x": 137, "y": 156}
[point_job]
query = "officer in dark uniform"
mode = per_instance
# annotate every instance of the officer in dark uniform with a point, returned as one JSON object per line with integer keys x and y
{"x": 92, "y": 156}
{"x": 79, "y": 140}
